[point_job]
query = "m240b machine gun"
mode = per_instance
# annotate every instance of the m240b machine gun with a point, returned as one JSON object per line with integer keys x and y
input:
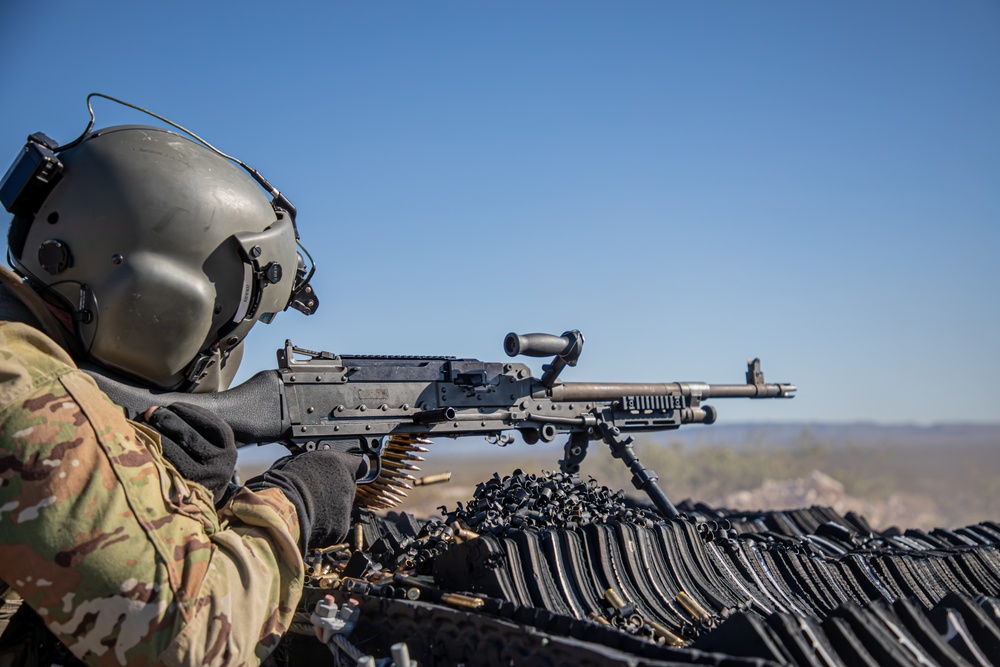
{"x": 377, "y": 406}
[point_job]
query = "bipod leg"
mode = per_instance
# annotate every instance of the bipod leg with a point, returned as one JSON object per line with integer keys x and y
{"x": 575, "y": 451}
{"x": 643, "y": 478}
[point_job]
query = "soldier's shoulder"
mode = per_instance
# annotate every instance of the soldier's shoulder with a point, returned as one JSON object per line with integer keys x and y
{"x": 28, "y": 360}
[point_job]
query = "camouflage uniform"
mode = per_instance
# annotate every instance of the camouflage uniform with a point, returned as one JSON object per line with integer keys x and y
{"x": 126, "y": 561}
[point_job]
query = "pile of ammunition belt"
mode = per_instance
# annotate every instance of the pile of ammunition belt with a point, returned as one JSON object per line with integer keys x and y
{"x": 551, "y": 569}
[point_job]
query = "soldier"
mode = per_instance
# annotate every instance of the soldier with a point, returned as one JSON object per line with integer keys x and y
{"x": 147, "y": 257}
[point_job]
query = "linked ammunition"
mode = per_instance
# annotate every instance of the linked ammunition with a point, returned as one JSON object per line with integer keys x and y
{"x": 437, "y": 478}
{"x": 667, "y": 635}
{"x": 694, "y": 609}
{"x": 464, "y": 601}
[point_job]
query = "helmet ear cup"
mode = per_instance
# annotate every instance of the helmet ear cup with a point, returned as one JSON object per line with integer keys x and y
{"x": 157, "y": 314}
{"x": 163, "y": 240}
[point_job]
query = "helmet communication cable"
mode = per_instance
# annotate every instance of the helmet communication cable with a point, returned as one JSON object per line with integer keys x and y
{"x": 278, "y": 198}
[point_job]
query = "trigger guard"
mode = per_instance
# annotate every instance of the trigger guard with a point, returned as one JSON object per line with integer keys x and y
{"x": 370, "y": 472}
{"x": 372, "y": 458}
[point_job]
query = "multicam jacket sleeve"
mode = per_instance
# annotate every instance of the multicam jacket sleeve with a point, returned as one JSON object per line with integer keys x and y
{"x": 125, "y": 561}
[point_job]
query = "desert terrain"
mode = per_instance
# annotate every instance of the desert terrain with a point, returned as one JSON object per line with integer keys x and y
{"x": 906, "y": 476}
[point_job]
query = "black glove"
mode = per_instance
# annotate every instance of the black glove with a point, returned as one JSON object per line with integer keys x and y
{"x": 199, "y": 444}
{"x": 321, "y": 486}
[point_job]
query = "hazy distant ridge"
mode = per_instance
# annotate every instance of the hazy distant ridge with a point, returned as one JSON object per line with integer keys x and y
{"x": 861, "y": 433}
{"x": 735, "y": 436}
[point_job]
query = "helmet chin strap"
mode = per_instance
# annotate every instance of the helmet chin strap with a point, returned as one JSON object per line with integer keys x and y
{"x": 56, "y": 321}
{"x": 70, "y": 318}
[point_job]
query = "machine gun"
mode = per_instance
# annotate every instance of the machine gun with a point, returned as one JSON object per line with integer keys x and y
{"x": 382, "y": 407}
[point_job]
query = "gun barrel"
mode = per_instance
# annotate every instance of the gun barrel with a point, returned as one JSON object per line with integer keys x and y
{"x": 606, "y": 391}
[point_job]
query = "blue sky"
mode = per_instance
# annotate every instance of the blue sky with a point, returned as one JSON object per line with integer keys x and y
{"x": 689, "y": 184}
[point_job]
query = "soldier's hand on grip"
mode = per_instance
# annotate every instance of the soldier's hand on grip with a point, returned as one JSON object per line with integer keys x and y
{"x": 321, "y": 486}
{"x": 198, "y": 443}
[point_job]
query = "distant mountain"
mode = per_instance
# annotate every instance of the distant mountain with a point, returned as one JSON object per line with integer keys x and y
{"x": 834, "y": 434}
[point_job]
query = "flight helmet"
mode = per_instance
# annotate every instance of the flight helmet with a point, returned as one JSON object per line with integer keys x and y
{"x": 165, "y": 252}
